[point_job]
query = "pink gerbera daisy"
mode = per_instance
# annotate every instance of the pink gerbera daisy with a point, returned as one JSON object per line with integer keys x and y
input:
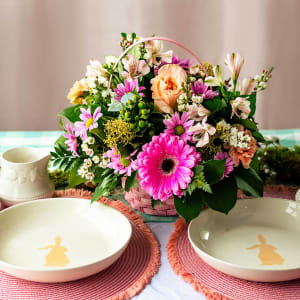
{"x": 121, "y": 165}
{"x": 89, "y": 121}
{"x": 179, "y": 126}
{"x": 229, "y": 163}
{"x": 129, "y": 86}
{"x": 71, "y": 140}
{"x": 165, "y": 166}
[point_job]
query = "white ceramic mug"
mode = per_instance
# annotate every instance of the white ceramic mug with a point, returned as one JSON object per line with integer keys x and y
{"x": 23, "y": 175}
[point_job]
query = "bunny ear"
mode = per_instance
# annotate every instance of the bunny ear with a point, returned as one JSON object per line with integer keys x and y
{"x": 261, "y": 239}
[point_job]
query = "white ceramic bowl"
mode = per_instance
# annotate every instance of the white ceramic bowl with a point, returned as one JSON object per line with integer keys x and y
{"x": 61, "y": 239}
{"x": 258, "y": 240}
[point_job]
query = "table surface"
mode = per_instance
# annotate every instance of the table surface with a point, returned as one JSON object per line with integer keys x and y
{"x": 165, "y": 284}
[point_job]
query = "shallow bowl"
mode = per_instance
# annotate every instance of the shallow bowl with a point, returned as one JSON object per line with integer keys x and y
{"x": 258, "y": 240}
{"x": 61, "y": 239}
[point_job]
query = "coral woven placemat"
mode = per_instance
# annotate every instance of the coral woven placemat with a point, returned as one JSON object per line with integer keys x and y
{"x": 123, "y": 280}
{"x": 216, "y": 285}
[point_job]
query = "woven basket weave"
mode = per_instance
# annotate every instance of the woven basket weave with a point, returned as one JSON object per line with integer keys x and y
{"x": 140, "y": 200}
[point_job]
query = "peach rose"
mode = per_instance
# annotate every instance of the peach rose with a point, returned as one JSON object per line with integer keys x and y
{"x": 77, "y": 91}
{"x": 166, "y": 87}
{"x": 243, "y": 155}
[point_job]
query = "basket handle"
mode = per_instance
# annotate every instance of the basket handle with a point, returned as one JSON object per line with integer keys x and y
{"x": 159, "y": 38}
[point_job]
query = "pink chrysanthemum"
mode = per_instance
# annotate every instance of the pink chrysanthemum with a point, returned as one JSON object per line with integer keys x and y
{"x": 71, "y": 140}
{"x": 179, "y": 126}
{"x": 89, "y": 121}
{"x": 165, "y": 166}
{"x": 121, "y": 165}
{"x": 129, "y": 86}
{"x": 229, "y": 163}
{"x": 202, "y": 89}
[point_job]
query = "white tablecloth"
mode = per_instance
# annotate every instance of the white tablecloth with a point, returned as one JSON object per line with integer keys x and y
{"x": 166, "y": 284}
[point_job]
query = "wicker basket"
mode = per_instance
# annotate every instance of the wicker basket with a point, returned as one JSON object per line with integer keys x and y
{"x": 140, "y": 200}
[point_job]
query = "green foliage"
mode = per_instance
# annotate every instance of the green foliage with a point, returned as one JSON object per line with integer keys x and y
{"x": 199, "y": 181}
{"x": 190, "y": 206}
{"x": 248, "y": 124}
{"x": 107, "y": 181}
{"x": 71, "y": 113}
{"x": 61, "y": 157}
{"x": 224, "y": 195}
{"x": 214, "y": 170}
{"x": 131, "y": 181}
{"x": 215, "y": 104}
{"x": 279, "y": 163}
{"x": 252, "y": 99}
{"x": 249, "y": 181}
{"x": 74, "y": 178}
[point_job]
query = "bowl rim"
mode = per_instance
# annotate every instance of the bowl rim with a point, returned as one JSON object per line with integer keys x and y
{"x": 59, "y": 269}
{"x": 233, "y": 265}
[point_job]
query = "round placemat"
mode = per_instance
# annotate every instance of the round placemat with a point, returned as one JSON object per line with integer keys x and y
{"x": 123, "y": 280}
{"x": 216, "y": 285}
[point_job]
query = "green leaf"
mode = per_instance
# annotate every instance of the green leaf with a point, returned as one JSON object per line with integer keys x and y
{"x": 190, "y": 206}
{"x": 123, "y": 151}
{"x": 258, "y": 136}
{"x": 124, "y": 35}
{"x": 214, "y": 170}
{"x": 255, "y": 163}
{"x": 71, "y": 113}
{"x": 130, "y": 181}
{"x": 248, "y": 124}
{"x": 224, "y": 195}
{"x": 115, "y": 106}
{"x": 252, "y": 99}
{"x": 99, "y": 132}
{"x": 74, "y": 178}
{"x": 107, "y": 184}
{"x": 249, "y": 181}
{"x": 136, "y": 51}
{"x": 215, "y": 104}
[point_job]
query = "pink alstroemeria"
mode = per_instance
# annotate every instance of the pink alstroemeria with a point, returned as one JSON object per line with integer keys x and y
{"x": 197, "y": 112}
{"x": 134, "y": 68}
{"x": 248, "y": 85}
{"x": 202, "y": 89}
{"x": 71, "y": 140}
{"x": 89, "y": 121}
{"x": 201, "y": 132}
{"x": 234, "y": 61}
{"x": 128, "y": 87}
{"x": 240, "y": 107}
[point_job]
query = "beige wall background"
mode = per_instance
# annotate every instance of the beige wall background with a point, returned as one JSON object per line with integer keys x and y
{"x": 46, "y": 45}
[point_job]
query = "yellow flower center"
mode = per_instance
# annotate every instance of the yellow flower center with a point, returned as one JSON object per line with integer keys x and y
{"x": 179, "y": 130}
{"x": 125, "y": 162}
{"x": 89, "y": 122}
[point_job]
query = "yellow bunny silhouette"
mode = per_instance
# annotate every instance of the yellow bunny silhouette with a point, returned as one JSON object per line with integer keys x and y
{"x": 267, "y": 254}
{"x": 56, "y": 257}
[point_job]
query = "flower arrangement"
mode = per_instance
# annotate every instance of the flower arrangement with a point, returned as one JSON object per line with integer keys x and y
{"x": 178, "y": 126}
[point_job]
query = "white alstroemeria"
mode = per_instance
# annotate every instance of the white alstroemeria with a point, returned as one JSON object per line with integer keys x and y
{"x": 82, "y": 171}
{"x": 240, "y": 107}
{"x": 84, "y": 147}
{"x": 110, "y": 59}
{"x": 201, "y": 132}
{"x": 87, "y": 162}
{"x": 90, "y": 140}
{"x": 235, "y": 62}
{"x": 216, "y": 80}
{"x": 89, "y": 176}
{"x": 247, "y": 87}
{"x": 95, "y": 71}
{"x": 197, "y": 112}
{"x": 96, "y": 159}
{"x": 89, "y": 152}
{"x": 154, "y": 54}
